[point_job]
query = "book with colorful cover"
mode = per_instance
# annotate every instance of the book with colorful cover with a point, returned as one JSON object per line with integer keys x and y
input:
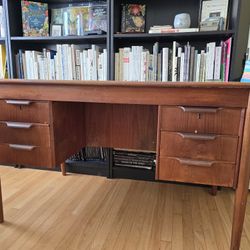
{"x": 35, "y": 18}
{"x": 246, "y": 73}
{"x": 133, "y": 18}
{"x": 228, "y": 44}
{"x": 98, "y": 18}
{"x": 76, "y": 20}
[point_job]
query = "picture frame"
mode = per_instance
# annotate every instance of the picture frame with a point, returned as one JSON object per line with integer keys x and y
{"x": 210, "y": 10}
{"x": 56, "y": 30}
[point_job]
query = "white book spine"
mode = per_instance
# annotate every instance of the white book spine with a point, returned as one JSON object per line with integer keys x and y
{"x": 210, "y": 61}
{"x": 82, "y": 75}
{"x": 86, "y": 65}
{"x": 126, "y": 52}
{"x": 197, "y": 73}
{"x": 174, "y": 63}
{"x": 217, "y": 63}
{"x": 165, "y": 58}
{"x": 105, "y": 65}
{"x": 182, "y": 64}
{"x": 117, "y": 66}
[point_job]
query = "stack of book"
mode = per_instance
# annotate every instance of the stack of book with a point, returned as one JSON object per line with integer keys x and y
{"x": 156, "y": 29}
{"x": 66, "y": 63}
{"x": 143, "y": 160}
{"x": 178, "y": 63}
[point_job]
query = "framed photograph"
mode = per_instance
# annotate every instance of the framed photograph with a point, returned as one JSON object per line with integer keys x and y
{"x": 56, "y": 30}
{"x": 214, "y": 10}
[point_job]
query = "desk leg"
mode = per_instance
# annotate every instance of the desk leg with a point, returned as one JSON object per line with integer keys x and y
{"x": 1, "y": 204}
{"x": 242, "y": 186}
{"x": 63, "y": 168}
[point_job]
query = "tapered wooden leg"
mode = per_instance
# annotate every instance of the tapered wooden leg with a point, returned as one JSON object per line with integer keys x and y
{"x": 213, "y": 190}
{"x": 63, "y": 169}
{"x": 1, "y": 204}
{"x": 242, "y": 187}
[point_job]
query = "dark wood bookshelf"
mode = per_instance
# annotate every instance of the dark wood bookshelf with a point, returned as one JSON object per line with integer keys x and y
{"x": 158, "y": 12}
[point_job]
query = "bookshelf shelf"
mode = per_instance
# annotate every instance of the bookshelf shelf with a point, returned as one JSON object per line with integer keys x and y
{"x": 179, "y": 36}
{"x": 62, "y": 39}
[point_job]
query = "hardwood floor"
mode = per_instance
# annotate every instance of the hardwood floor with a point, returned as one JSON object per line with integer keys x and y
{"x": 44, "y": 210}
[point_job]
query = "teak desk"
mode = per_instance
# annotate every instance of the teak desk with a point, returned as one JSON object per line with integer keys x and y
{"x": 200, "y": 131}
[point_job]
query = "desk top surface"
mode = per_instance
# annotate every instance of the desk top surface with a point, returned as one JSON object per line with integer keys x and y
{"x": 225, "y": 85}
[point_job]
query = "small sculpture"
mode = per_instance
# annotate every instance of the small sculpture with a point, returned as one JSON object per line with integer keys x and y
{"x": 182, "y": 21}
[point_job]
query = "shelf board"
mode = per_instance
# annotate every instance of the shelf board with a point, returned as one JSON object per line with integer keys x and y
{"x": 60, "y": 39}
{"x": 179, "y": 35}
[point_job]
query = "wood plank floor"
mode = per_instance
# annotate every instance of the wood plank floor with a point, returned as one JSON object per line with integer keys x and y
{"x": 44, "y": 210}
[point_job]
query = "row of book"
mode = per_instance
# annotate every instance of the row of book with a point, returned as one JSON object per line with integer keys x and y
{"x": 124, "y": 158}
{"x": 178, "y": 63}
{"x": 67, "y": 62}
{"x": 91, "y": 154}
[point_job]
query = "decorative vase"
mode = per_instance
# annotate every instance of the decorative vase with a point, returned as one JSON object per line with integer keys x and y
{"x": 182, "y": 21}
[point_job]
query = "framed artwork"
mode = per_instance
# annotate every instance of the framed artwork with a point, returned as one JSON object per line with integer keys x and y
{"x": 56, "y": 30}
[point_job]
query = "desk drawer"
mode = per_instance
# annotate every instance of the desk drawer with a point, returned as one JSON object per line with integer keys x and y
{"x": 224, "y": 121}
{"x": 24, "y": 111}
{"x": 195, "y": 146}
{"x": 200, "y": 172}
{"x": 24, "y": 133}
{"x": 26, "y": 155}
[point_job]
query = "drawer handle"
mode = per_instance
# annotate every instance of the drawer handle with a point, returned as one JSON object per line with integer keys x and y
{"x": 22, "y": 147}
{"x": 197, "y": 137}
{"x": 196, "y": 163}
{"x": 18, "y": 125}
{"x": 198, "y": 110}
{"x": 18, "y": 102}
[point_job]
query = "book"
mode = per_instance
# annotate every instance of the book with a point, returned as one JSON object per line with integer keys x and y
{"x": 3, "y": 62}
{"x": 35, "y": 18}
{"x": 76, "y": 20}
{"x": 155, "y": 30}
{"x": 246, "y": 73}
{"x": 2, "y": 25}
{"x": 98, "y": 17}
{"x": 133, "y": 18}
{"x": 228, "y": 43}
{"x": 214, "y": 9}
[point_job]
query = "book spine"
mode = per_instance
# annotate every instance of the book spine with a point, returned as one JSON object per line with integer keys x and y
{"x": 228, "y": 58}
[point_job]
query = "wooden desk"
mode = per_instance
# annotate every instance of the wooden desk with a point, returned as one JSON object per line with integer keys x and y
{"x": 200, "y": 131}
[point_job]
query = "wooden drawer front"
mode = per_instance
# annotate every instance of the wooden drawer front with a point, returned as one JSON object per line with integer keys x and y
{"x": 18, "y": 154}
{"x": 201, "y": 120}
{"x": 183, "y": 170}
{"x": 24, "y": 111}
{"x": 204, "y": 147}
{"x": 24, "y": 133}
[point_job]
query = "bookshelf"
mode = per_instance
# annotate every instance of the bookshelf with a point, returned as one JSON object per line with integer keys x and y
{"x": 158, "y": 12}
